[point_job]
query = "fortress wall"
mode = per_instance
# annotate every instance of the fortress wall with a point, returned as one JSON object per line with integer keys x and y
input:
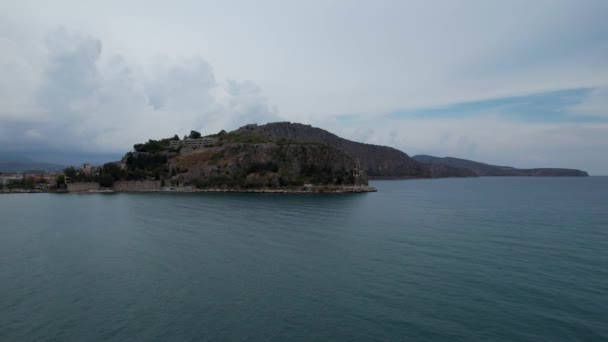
{"x": 137, "y": 186}
{"x": 82, "y": 186}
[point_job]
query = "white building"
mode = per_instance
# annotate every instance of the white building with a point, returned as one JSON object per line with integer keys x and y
{"x": 5, "y": 179}
{"x": 194, "y": 143}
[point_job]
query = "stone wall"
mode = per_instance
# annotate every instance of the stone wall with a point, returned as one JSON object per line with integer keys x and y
{"x": 137, "y": 186}
{"x": 177, "y": 188}
{"x": 83, "y": 187}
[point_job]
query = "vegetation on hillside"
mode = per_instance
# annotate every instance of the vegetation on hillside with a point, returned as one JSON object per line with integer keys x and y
{"x": 140, "y": 166}
{"x": 153, "y": 146}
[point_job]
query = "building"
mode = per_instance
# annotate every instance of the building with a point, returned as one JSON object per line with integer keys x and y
{"x": 193, "y": 143}
{"x": 44, "y": 180}
{"x": 87, "y": 169}
{"x": 7, "y": 178}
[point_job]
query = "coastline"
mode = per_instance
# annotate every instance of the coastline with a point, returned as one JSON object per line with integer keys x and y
{"x": 340, "y": 190}
{"x": 308, "y": 190}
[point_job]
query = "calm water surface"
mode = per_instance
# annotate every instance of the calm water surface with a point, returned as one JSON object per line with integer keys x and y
{"x": 510, "y": 259}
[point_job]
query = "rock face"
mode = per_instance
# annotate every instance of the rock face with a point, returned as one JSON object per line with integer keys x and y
{"x": 481, "y": 169}
{"x": 265, "y": 165}
{"x": 378, "y": 161}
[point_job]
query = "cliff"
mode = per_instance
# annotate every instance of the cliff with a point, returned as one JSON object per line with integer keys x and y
{"x": 482, "y": 169}
{"x": 264, "y": 165}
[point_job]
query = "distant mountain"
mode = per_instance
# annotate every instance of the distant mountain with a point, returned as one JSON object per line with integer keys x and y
{"x": 10, "y": 167}
{"x": 10, "y": 163}
{"x": 446, "y": 171}
{"x": 482, "y": 169}
{"x": 378, "y": 161}
{"x": 51, "y": 161}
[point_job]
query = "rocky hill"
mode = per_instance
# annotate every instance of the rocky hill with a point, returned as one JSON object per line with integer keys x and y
{"x": 279, "y": 155}
{"x": 482, "y": 169}
{"x": 237, "y": 161}
{"x": 378, "y": 161}
{"x": 268, "y": 164}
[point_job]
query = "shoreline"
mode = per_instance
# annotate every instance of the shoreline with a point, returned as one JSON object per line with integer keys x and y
{"x": 312, "y": 190}
{"x": 362, "y": 189}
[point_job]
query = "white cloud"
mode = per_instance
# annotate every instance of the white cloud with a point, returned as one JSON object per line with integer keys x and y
{"x": 86, "y": 99}
{"x": 319, "y": 58}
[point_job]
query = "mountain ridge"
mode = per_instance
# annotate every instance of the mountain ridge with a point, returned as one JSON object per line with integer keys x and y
{"x": 377, "y": 160}
{"x": 489, "y": 170}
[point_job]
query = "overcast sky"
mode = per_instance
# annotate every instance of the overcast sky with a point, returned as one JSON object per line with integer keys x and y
{"x": 523, "y": 83}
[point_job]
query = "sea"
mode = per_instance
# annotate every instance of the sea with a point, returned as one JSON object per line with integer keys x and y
{"x": 476, "y": 259}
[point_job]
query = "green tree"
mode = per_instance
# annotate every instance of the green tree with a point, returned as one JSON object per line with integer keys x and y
{"x": 194, "y": 135}
{"x": 70, "y": 172}
{"x": 106, "y": 181}
{"x": 28, "y": 182}
{"x": 111, "y": 169}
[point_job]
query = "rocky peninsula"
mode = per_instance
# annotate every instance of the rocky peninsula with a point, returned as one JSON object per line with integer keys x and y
{"x": 243, "y": 160}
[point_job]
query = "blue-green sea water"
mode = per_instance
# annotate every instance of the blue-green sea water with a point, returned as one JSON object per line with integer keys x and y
{"x": 488, "y": 259}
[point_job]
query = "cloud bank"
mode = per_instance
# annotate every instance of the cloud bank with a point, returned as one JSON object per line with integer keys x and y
{"x": 71, "y": 95}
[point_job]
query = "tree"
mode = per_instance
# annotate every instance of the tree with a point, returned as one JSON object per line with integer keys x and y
{"x": 175, "y": 138}
{"x": 106, "y": 181}
{"x": 194, "y": 135}
{"x": 28, "y": 182}
{"x": 60, "y": 180}
{"x": 111, "y": 169}
{"x": 70, "y": 172}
